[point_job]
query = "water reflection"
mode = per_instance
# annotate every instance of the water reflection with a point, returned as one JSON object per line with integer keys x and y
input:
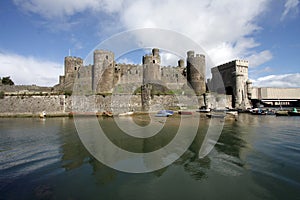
{"x": 255, "y": 157}
{"x": 75, "y": 154}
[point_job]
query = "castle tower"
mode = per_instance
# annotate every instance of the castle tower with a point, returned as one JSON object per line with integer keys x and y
{"x": 232, "y": 78}
{"x": 241, "y": 78}
{"x": 249, "y": 88}
{"x": 103, "y": 71}
{"x": 72, "y": 65}
{"x": 181, "y": 63}
{"x": 151, "y": 75}
{"x": 196, "y": 72}
{"x": 151, "y": 67}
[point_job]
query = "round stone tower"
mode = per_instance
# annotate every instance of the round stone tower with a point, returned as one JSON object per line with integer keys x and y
{"x": 196, "y": 72}
{"x": 181, "y": 63}
{"x": 151, "y": 67}
{"x": 249, "y": 89}
{"x": 72, "y": 65}
{"x": 103, "y": 71}
{"x": 151, "y": 75}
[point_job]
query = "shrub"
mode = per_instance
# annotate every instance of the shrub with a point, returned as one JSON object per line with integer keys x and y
{"x": 2, "y": 94}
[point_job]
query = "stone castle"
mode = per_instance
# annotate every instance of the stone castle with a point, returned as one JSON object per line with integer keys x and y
{"x": 107, "y": 85}
{"x": 105, "y": 76}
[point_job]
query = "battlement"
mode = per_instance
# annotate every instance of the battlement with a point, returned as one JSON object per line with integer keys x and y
{"x": 181, "y": 63}
{"x": 231, "y": 65}
{"x": 200, "y": 55}
{"x": 190, "y": 53}
{"x": 244, "y": 63}
{"x": 150, "y": 59}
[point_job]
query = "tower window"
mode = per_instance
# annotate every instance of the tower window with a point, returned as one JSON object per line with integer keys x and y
{"x": 75, "y": 68}
{"x": 106, "y": 57}
{"x": 153, "y": 61}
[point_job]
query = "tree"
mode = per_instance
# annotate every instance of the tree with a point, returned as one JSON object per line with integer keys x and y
{"x": 7, "y": 81}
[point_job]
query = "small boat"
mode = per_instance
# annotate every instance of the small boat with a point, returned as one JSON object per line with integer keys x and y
{"x": 42, "y": 114}
{"x": 203, "y": 110}
{"x": 126, "y": 113}
{"x": 213, "y": 115}
{"x": 233, "y": 113}
{"x": 185, "y": 112}
{"x": 294, "y": 112}
{"x": 164, "y": 113}
{"x": 291, "y": 113}
{"x": 107, "y": 114}
{"x": 282, "y": 113}
{"x": 257, "y": 111}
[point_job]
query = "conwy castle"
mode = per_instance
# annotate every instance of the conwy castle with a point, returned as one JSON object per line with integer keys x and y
{"x": 107, "y": 85}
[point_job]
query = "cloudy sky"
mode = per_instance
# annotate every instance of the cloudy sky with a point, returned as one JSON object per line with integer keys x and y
{"x": 36, "y": 35}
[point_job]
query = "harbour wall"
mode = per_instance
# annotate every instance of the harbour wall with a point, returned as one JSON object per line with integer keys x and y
{"x": 56, "y": 105}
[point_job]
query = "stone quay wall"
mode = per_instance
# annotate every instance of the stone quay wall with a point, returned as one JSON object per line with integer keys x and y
{"x": 32, "y": 104}
{"x": 58, "y": 104}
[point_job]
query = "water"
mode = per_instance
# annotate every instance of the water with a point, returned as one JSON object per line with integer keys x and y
{"x": 256, "y": 157}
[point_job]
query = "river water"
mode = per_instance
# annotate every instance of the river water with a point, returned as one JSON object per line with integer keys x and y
{"x": 256, "y": 157}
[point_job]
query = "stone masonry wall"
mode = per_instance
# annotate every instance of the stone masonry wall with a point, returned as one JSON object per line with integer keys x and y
{"x": 32, "y": 104}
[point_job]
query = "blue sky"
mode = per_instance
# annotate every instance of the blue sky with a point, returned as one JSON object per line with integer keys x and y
{"x": 36, "y": 35}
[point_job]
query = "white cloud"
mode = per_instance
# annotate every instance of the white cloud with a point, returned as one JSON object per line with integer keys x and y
{"x": 62, "y": 8}
{"x": 29, "y": 70}
{"x": 126, "y": 61}
{"x": 257, "y": 59}
{"x": 284, "y": 80}
{"x": 289, "y": 6}
{"x": 222, "y": 28}
{"x": 168, "y": 59}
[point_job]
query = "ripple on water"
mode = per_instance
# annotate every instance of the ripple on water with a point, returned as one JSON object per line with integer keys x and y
{"x": 227, "y": 165}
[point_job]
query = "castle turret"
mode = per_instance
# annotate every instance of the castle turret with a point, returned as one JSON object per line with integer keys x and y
{"x": 181, "y": 63}
{"x": 240, "y": 89}
{"x": 196, "y": 72}
{"x": 103, "y": 71}
{"x": 151, "y": 75}
{"x": 72, "y": 65}
{"x": 151, "y": 67}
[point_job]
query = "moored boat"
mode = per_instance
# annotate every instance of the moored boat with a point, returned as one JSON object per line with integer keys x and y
{"x": 294, "y": 112}
{"x": 203, "y": 109}
{"x": 291, "y": 113}
{"x": 214, "y": 115}
{"x": 42, "y": 114}
{"x": 164, "y": 113}
{"x": 282, "y": 113}
{"x": 233, "y": 113}
{"x": 126, "y": 113}
{"x": 257, "y": 111}
{"x": 181, "y": 112}
{"x": 107, "y": 114}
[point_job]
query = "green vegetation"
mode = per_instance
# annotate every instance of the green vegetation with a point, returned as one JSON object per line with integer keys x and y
{"x": 138, "y": 91}
{"x": 2, "y": 94}
{"x": 7, "y": 81}
{"x": 68, "y": 92}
